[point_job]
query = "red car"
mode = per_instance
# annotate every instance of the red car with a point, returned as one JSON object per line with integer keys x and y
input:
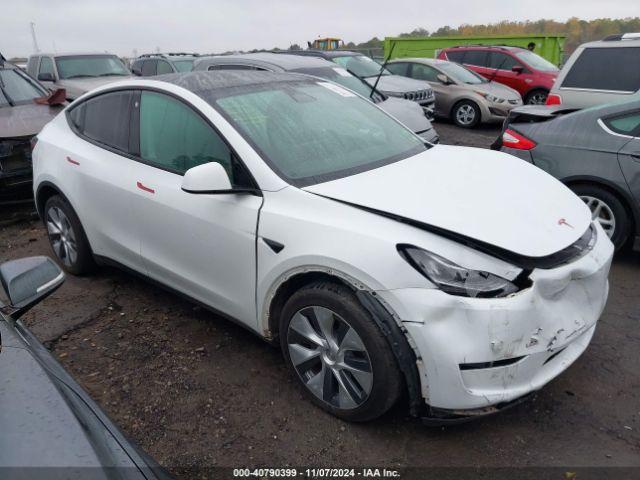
{"x": 528, "y": 73}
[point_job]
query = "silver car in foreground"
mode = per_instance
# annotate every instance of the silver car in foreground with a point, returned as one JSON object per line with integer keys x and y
{"x": 461, "y": 95}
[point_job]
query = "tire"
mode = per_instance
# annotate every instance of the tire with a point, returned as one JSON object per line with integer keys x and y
{"x": 466, "y": 114}
{"x": 536, "y": 97}
{"x": 609, "y": 210}
{"x": 66, "y": 237}
{"x": 370, "y": 385}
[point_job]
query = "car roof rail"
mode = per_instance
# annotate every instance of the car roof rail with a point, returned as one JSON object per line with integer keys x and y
{"x": 622, "y": 36}
{"x": 181, "y": 54}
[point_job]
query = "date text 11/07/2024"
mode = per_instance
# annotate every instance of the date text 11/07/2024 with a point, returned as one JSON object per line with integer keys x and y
{"x": 316, "y": 473}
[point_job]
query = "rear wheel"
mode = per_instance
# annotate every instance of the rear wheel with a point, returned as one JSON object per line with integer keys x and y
{"x": 607, "y": 209}
{"x": 338, "y": 354}
{"x": 466, "y": 114}
{"x": 536, "y": 97}
{"x": 67, "y": 237}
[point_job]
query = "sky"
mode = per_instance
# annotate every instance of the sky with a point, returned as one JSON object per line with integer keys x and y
{"x": 120, "y": 26}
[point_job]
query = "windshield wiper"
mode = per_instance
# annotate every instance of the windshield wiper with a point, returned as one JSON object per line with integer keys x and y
{"x": 82, "y": 75}
{"x": 5, "y": 94}
{"x": 112, "y": 75}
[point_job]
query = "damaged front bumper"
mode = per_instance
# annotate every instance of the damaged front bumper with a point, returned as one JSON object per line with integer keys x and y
{"x": 475, "y": 353}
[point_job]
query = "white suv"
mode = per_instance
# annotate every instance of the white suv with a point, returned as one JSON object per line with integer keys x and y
{"x": 379, "y": 263}
{"x": 600, "y": 72}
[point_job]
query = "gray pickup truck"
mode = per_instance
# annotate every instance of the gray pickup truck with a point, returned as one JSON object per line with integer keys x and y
{"x": 76, "y": 73}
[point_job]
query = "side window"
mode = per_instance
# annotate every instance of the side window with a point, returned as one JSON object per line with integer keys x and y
{"x": 46, "y": 66}
{"x": 174, "y": 137}
{"x": 105, "y": 119}
{"x": 502, "y": 61}
{"x": 475, "y": 57}
{"x": 149, "y": 68}
{"x": 455, "y": 56}
{"x": 424, "y": 72}
{"x": 400, "y": 68}
{"x": 32, "y": 66}
{"x": 628, "y": 124}
{"x": 614, "y": 69}
{"x": 164, "y": 67}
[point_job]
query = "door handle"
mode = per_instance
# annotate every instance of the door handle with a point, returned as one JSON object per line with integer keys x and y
{"x": 144, "y": 188}
{"x": 72, "y": 161}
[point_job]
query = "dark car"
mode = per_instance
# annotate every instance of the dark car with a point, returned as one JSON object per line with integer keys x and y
{"x": 407, "y": 112}
{"x": 50, "y": 427}
{"x": 151, "y": 64}
{"x": 369, "y": 70}
{"x": 527, "y": 72}
{"x": 25, "y": 107}
{"x": 595, "y": 152}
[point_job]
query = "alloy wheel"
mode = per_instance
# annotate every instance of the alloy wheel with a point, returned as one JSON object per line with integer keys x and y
{"x": 465, "y": 114}
{"x": 539, "y": 98}
{"x": 329, "y": 357}
{"x": 602, "y": 213}
{"x": 62, "y": 236}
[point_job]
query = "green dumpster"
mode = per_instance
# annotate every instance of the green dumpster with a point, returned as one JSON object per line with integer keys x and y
{"x": 550, "y": 47}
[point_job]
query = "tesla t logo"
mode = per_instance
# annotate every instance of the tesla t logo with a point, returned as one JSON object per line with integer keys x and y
{"x": 562, "y": 221}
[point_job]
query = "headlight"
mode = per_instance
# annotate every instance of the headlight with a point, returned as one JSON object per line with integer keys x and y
{"x": 394, "y": 94}
{"x": 454, "y": 279}
{"x": 488, "y": 96}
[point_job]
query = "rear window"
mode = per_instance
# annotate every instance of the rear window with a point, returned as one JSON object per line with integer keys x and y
{"x": 627, "y": 124}
{"x": 614, "y": 69}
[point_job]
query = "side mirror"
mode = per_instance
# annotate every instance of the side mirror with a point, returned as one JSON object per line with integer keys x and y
{"x": 28, "y": 281}
{"x": 136, "y": 71}
{"x": 518, "y": 69}
{"x": 46, "y": 77}
{"x": 208, "y": 178}
{"x": 442, "y": 78}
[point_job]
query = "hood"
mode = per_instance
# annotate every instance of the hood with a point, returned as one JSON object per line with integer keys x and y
{"x": 25, "y": 120}
{"x": 488, "y": 196}
{"x": 397, "y": 84}
{"x": 409, "y": 113}
{"x": 79, "y": 86}
{"x": 497, "y": 89}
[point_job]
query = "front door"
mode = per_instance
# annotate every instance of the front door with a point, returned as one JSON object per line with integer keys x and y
{"x": 201, "y": 245}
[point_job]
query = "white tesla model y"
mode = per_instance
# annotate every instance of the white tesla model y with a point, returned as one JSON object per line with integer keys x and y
{"x": 379, "y": 263}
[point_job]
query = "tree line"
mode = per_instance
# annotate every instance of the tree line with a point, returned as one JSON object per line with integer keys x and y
{"x": 576, "y": 30}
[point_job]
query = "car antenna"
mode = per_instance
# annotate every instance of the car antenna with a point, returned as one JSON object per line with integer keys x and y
{"x": 373, "y": 89}
{"x": 384, "y": 65}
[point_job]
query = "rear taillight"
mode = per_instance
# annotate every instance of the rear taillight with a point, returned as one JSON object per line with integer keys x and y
{"x": 33, "y": 142}
{"x": 513, "y": 139}
{"x": 554, "y": 99}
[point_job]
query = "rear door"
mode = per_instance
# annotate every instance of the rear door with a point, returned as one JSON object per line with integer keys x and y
{"x": 98, "y": 167}
{"x": 201, "y": 245}
{"x": 478, "y": 61}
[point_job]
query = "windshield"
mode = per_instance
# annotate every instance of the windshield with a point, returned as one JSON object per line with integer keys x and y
{"x": 344, "y": 78}
{"x": 461, "y": 74}
{"x": 360, "y": 65}
{"x": 536, "y": 61}
{"x": 17, "y": 89}
{"x": 80, "y": 66}
{"x": 183, "y": 65}
{"x": 313, "y": 132}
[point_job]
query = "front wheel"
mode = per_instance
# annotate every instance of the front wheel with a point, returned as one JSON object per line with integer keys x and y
{"x": 466, "y": 114}
{"x": 606, "y": 209}
{"x": 338, "y": 353}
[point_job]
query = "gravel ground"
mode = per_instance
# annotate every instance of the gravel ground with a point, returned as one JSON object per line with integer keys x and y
{"x": 197, "y": 391}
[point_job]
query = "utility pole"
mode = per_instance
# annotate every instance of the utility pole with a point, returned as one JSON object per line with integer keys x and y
{"x": 33, "y": 37}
